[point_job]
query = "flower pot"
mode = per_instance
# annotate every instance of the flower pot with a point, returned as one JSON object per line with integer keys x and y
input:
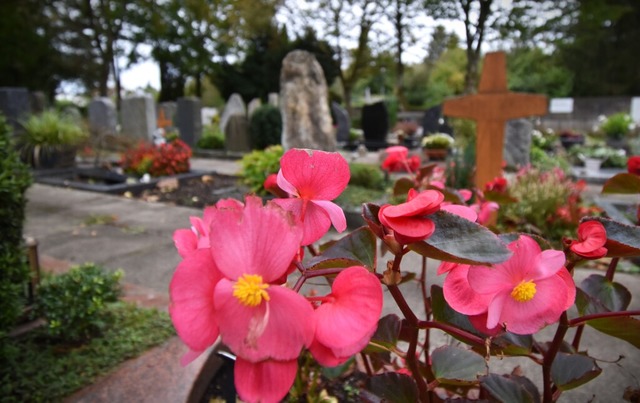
{"x": 592, "y": 165}
{"x": 436, "y": 154}
{"x": 570, "y": 141}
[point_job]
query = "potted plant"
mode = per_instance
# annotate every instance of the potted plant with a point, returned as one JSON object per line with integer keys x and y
{"x": 569, "y": 138}
{"x": 615, "y": 128}
{"x": 436, "y": 146}
{"x": 50, "y": 140}
{"x": 594, "y": 155}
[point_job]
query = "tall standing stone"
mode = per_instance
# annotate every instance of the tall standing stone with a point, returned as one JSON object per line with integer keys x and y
{"x": 304, "y": 103}
{"x": 14, "y": 105}
{"x": 375, "y": 125}
{"x": 234, "y": 106}
{"x": 189, "y": 119}
{"x": 254, "y": 104}
{"x": 103, "y": 118}
{"x": 517, "y": 144}
{"x": 138, "y": 115}
{"x": 236, "y": 134}
{"x": 342, "y": 121}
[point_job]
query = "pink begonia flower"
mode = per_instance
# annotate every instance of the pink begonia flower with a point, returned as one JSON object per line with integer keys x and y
{"x": 264, "y": 381}
{"x": 484, "y": 210}
{"x": 592, "y": 237}
{"x": 409, "y": 221}
{"x": 313, "y": 178}
{"x": 351, "y": 311}
{"x": 188, "y": 240}
{"x": 271, "y": 185}
{"x": 523, "y": 294}
{"x": 398, "y": 160}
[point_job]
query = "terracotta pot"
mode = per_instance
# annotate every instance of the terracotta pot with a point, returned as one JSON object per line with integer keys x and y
{"x": 436, "y": 154}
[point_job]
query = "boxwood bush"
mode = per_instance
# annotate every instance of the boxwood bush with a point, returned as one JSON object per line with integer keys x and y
{"x": 265, "y": 127}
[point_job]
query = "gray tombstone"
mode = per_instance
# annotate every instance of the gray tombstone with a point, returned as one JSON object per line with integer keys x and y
{"x": 167, "y": 110}
{"x": 517, "y": 144}
{"x": 189, "y": 119}
{"x": 234, "y": 106}
{"x": 274, "y": 99}
{"x": 38, "y": 101}
{"x": 103, "y": 118}
{"x": 254, "y": 104}
{"x": 138, "y": 117}
{"x": 15, "y": 105}
{"x": 342, "y": 121}
{"x": 306, "y": 120}
{"x": 236, "y": 135}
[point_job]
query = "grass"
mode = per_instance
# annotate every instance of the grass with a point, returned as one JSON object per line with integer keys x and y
{"x": 37, "y": 368}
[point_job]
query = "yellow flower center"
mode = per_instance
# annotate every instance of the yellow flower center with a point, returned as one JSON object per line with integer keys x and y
{"x": 250, "y": 290}
{"x": 524, "y": 291}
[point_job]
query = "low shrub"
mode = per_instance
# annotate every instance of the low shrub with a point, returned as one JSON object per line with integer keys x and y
{"x": 15, "y": 178}
{"x": 367, "y": 176}
{"x": 259, "y": 164}
{"x": 212, "y": 138}
{"x": 170, "y": 158}
{"x": 265, "y": 127}
{"x": 74, "y": 303}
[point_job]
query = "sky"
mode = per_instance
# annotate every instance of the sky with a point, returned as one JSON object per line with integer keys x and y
{"x": 147, "y": 72}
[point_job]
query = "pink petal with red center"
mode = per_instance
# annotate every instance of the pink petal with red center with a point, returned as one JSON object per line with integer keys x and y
{"x": 259, "y": 240}
{"x": 258, "y": 333}
{"x": 459, "y": 294}
{"x": 543, "y": 309}
{"x": 317, "y": 175}
{"x": 461, "y": 211}
{"x": 315, "y": 222}
{"x": 354, "y": 311}
{"x": 186, "y": 241}
{"x": 191, "y": 291}
{"x": 424, "y": 203}
{"x": 325, "y": 356}
{"x": 547, "y": 264}
{"x": 265, "y": 381}
{"x": 335, "y": 213}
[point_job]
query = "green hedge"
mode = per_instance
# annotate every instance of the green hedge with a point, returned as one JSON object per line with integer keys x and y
{"x": 265, "y": 127}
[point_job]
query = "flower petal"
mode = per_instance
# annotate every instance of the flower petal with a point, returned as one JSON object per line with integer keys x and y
{"x": 264, "y": 381}
{"x": 459, "y": 294}
{"x": 354, "y": 312}
{"x": 191, "y": 291}
{"x": 284, "y": 184}
{"x": 424, "y": 203}
{"x": 314, "y": 224}
{"x": 257, "y": 240}
{"x": 186, "y": 241}
{"x": 315, "y": 174}
{"x": 547, "y": 263}
{"x": 335, "y": 213}
{"x": 325, "y": 356}
{"x": 461, "y": 211}
{"x": 257, "y": 333}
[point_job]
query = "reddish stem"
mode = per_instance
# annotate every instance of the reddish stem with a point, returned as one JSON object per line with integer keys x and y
{"x": 550, "y": 355}
{"x": 611, "y": 270}
{"x": 583, "y": 319}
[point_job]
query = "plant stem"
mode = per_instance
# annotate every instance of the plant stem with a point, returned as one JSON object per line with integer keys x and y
{"x": 427, "y": 307}
{"x": 307, "y": 274}
{"x": 454, "y": 331}
{"x": 611, "y": 270}
{"x": 583, "y": 319}
{"x": 576, "y": 338}
{"x": 550, "y": 355}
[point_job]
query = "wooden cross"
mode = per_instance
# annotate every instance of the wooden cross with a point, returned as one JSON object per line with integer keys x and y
{"x": 163, "y": 121}
{"x": 491, "y": 107}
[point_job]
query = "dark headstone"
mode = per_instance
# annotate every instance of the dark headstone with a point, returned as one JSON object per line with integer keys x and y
{"x": 342, "y": 122}
{"x": 375, "y": 124}
{"x": 434, "y": 122}
{"x": 306, "y": 120}
{"x": 517, "y": 144}
{"x": 236, "y": 134}
{"x": 14, "y": 105}
{"x": 189, "y": 120}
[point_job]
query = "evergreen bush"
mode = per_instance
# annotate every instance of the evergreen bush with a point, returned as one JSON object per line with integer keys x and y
{"x": 15, "y": 178}
{"x": 265, "y": 127}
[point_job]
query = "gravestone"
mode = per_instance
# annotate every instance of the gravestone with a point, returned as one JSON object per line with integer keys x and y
{"x": 38, "y": 101}
{"x": 103, "y": 118}
{"x": 254, "y": 104}
{"x": 234, "y": 106}
{"x": 189, "y": 120}
{"x": 236, "y": 135}
{"x": 138, "y": 117}
{"x": 15, "y": 105}
{"x": 635, "y": 109}
{"x": 491, "y": 107}
{"x": 306, "y": 120}
{"x": 517, "y": 142}
{"x": 167, "y": 115}
{"x": 375, "y": 124}
{"x": 208, "y": 114}
{"x": 433, "y": 122}
{"x": 274, "y": 99}
{"x": 342, "y": 121}
{"x": 72, "y": 112}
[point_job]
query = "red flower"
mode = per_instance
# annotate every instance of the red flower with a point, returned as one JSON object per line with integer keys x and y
{"x": 591, "y": 239}
{"x": 409, "y": 221}
{"x": 498, "y": 184}
{"x": 398, "y": 160}
{"x": 633, "y": 165}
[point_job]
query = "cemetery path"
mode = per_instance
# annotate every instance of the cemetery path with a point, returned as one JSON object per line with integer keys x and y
{"x": 73, "y": 226}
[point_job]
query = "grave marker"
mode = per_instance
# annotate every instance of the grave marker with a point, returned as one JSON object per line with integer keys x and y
{"x": 343, "y": 123}
{"x": 375, "y": 125}
{"x": 491, "y": 108}
{"x": 103, "y": 118}
{"x": 138, "y": 116}
{"x": 254, "y": 104}
{"x": 189, "y": 120}
{"x": 234, "y": 106}
{"x": 15, "y": 105}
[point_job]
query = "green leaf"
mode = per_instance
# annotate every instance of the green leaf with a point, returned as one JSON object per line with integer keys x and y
{"x": 512, "y": 344}
{"x": 455, "y": 366}
{"x": 510, "y": 388}
{"x": 402, "y": 186}
{"x": 356, "y": 249}
{"x": 613, "y": 296}
{"x": 622, "y": 240}
{"x": 450, "y": 194}
{"x": 391, "y": 387}
{"x": 499, "y": 197}
{"x": 622, "y": 183}
{"x": 386, "y": 335}
{"x": 442, "y": 312}
{"x": 569, "y": 371}
{"x": 335, "y": 372}
{"x": 456, "y": 239}
{"x": 370, "y": 215}
{"x": 625, "y": 328}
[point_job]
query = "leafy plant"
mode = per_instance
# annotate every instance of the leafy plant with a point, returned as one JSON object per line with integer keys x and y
{"x": 259, "y": 164}
{"x": 170, "y": 158}
{"x": 74, "y": 303}
{"x": 15, "y": 178}
{"x": 212, "y": 138}
{"x": 367, "y": 176}
{"x": 265, "y": 127}
{"x": 597, "y": 150}
{"x": 37, "y": 368}
{"x": 437, "y": 141}
{"x": 616, "y": 126}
